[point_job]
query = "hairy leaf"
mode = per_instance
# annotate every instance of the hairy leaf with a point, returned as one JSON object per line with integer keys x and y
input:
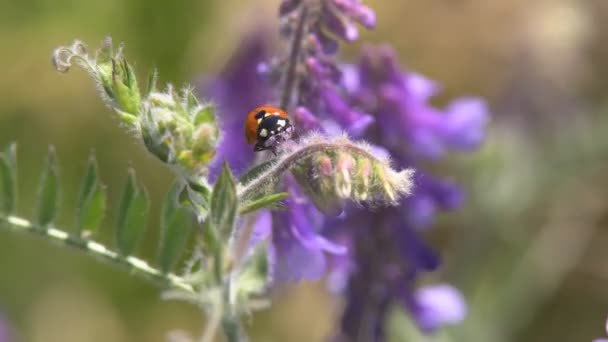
{"x": 151, "y": 82}
{"x": 132, "y": 215}
{"x": 224, "y": 203}
{"x": 92, "y": 201}
{"x": 8, "y": 180}
{"x": 175, "y": 229}
{"x": 266, "y": 202}
{"x": 48, "y": 192}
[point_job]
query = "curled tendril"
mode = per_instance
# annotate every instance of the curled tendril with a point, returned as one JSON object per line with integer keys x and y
{"x": 63, "y": 57}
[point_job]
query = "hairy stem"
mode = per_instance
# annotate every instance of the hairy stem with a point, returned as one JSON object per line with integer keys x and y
{"x": 232, "y": 329}
{"x": 294, "y": 58}
{"x": 290, "y": 159}
{"x": 213, "y": 324}
{"x": 137, "y": 267}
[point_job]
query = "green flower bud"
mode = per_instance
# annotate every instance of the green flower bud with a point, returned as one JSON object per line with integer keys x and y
{"x": 180, "y": 131}
{"x": 344, "y": 168}
{"x": 363, "y": 173}
{"x": 174, "y": 126}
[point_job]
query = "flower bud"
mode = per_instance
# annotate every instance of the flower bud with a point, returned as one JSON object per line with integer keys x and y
{"x": 180, "y": 131}
{"x": 344, "y": 168}
{"x": 334, "y": 169}
{"x": 363, "y": 175}
{"x": 174, "y": 126}
{"x": 324, "y": 174}
{"x": 315, "y": 176}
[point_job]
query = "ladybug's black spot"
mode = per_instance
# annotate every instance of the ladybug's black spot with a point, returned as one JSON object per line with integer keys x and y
{"x": 271, "y": 124}
{"x": 260, "y": 114}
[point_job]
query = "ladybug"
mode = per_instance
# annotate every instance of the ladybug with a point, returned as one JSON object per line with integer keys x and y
{"x": 267, "y": 127}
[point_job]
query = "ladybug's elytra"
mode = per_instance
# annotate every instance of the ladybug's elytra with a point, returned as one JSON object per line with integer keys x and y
{"x": 267, "y": 127}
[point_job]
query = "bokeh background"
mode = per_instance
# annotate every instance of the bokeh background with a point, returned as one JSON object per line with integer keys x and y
{"x": 529, "y": 249}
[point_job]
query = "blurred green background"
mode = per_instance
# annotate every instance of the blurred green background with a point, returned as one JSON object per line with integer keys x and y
{"x": 528, "y": 250}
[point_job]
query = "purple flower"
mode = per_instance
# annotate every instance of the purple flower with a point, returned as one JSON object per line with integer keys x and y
{"x": 318, "y": 88}
{"x": 379, "y": 102}
{"x": 237, "y": 90}
{"x": 299, "y": 251}
{"x": 399, "y": 101}
{"x": 375, "y": 100}
{"x": 387, "y": 249}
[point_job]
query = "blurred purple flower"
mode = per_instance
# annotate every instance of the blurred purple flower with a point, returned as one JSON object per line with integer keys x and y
{"x": 5, "y": 333}
{"x": 399, "y": 101}
{"x": 237, "y": 90}
{"x": 387, "y": 250}
{"x": 603, "y": 339}
{"x": 377, "y": 101}
{"x": 298, "y": 249}
{"x": 437, "y": 305}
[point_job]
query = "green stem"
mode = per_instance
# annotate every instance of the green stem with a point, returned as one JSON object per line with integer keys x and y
{"x": 232, "y": 329}
{"x": 135, "y": 266}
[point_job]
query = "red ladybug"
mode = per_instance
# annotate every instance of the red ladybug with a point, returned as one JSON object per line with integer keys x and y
{"x": 267, "y": 127}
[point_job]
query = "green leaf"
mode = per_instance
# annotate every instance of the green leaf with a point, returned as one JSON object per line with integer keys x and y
{"x": 268, "y": 202}
{"x": 210, "y": 239}
{"x": 212, "y": 248}
{"x": 132, "y": 215}
{"x": 205, "y": 115}
{"x": 175, "y": 229}
{"x": 195, "y": 201}
{"x": 8, "y": 180}
{"x": 124, "y": 85}
{"x": 48, "y": 192}
{"x": 92, "y": 201}
{"x": 224, "y": 203}
{"x": 191, "y": 100}
{"x": 151, "y": 82}
{"x": 203, "y": 190}
{"x": 255, "y": 171}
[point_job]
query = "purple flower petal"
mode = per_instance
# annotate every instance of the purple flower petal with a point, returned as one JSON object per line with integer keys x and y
{"x": 293, "y": 261}
{"x": 240, "y": 77}
{"x": 438, "y": 305}
{"x": 357, "y": 11}
{"x": 300, "y": 250}
{"x": 465, "y": 123}
{"x": 305, "y": 120}
{"x": 5, "y": 332}
{"x": 354, "y": 122}
{"x": 421, "y": 210}
{"x": 262, "y": 227}
{"x": 338, "y": 26}
{"x": 328, "y": 45}
{"x": 421, "y": 87}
